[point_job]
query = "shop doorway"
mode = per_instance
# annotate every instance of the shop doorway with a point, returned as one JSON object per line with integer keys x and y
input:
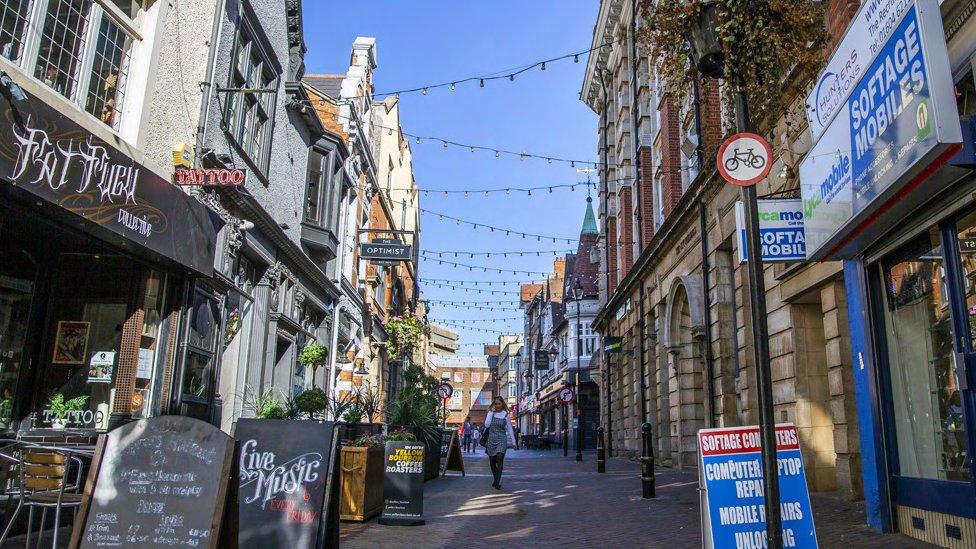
{"x": 924, "y": 295}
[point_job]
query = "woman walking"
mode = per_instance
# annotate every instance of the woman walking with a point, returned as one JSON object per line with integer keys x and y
{"x": 500, "y": 437}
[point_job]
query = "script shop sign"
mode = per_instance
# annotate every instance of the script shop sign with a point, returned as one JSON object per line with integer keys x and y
{"x": 870, "y": 28}
{"x": 731, "y": 477}
{"x": 898, "y": 121}
{"x": 780, "y": 230}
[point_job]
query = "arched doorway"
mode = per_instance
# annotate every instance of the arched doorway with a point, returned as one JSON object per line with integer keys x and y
{"x": 685, "y": 371}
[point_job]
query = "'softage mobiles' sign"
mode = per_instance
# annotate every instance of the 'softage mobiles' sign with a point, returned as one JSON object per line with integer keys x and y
{"x": 899, "y": 120}
{"x": 780, "y": 230}
{"x": 870, "y": 28}
{"x": 210, "y": 177}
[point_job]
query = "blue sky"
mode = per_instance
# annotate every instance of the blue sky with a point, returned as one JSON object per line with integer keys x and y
{"x": 421, "y": 42}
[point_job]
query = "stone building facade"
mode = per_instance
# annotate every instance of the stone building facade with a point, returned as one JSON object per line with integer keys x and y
{"x": 674, "y": 289}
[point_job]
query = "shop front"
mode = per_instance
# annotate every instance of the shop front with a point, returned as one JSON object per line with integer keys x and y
{"x": 99, "y": 255}
{"x": 900, "y": 210}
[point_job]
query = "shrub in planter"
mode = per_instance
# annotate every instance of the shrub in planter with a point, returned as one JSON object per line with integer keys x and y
{"x": 311, "y": 402}
{"x": 362, "y": 478}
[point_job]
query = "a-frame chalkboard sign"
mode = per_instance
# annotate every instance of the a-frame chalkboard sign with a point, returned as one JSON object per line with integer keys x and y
{"x": 156, "y": 482}
{"x": 452, "y": 454}
{"x": 288, "y": 493}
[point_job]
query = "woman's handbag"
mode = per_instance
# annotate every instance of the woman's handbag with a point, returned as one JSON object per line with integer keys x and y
{"x": 483, "y": 441}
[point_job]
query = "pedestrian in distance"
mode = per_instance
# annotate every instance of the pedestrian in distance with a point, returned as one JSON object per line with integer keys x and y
{"x": 466, "y": 434}
{"x": 476, "y": 438}
{"x": 500, "y": 437}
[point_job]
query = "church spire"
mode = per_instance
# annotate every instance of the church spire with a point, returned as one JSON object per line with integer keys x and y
{"x": 589, "y": 220}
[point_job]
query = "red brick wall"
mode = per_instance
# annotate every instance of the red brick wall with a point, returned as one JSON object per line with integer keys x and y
{"x": 711, "y": 119}
{"x": 646, "y": 186}
{"x": 625, "y": 231}
{"x": 670, "y": 154}
{"x": 838, "y": 15}
{"x": 611, "y": 269}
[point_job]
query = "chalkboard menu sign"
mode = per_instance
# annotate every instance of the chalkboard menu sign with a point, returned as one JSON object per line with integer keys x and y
{"x": 156, "y": 482}
{"x": 451, "y": 452}
{"x": 286, "y": 475}
{"x": 403, "y": 484}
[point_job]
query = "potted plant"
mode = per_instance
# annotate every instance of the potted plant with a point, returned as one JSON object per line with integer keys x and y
{"x": 362, "y": 477}
{"x": 60, "y": 408}
{"x": 312, "y": 402}
{"x": 415, "y": 407}
{"x": 361, "y": 413}
{"x": 313, "y": 355}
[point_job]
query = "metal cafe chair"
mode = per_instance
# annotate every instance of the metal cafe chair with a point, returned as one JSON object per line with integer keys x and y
{"x": 46, "y": 481}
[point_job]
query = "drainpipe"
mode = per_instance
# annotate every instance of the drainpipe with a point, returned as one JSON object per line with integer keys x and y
{"x": 707, "y": 318}
{"x": 207, "y": 86}
{"x": 706, "y": 278}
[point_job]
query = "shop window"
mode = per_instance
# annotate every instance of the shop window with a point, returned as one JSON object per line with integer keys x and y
{"x": 14, "y": 21}
{"x": 248, "y": 113}
{"x": 66, "y": 60}
{"x": 966, "y": 95}
{"x": 201, "y": 338}
{"x": 926, "y": 402}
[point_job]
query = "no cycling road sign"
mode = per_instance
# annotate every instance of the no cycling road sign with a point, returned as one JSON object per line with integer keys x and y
{"x": 744, "y": 159}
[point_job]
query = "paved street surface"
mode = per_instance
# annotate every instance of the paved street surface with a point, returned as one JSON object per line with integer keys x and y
{"x": 551, "y": 501}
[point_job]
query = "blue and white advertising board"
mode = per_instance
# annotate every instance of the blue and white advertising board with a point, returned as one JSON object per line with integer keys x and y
{"x": 733, "y": 512}
{"x": 869, "y": 30}
{"x": 899, "y": 119}
{"x": 780, "y": 230}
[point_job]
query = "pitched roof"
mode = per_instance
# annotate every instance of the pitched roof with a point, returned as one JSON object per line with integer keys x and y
{"x": 329, "y": 84}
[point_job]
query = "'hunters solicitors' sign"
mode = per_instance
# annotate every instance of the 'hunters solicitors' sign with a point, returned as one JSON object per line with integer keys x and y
{"x": 733, "y": 512}
{"x": 899, "y": 119}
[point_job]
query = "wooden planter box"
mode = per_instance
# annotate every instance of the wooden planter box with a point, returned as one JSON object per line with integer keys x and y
{"x": 362, "y": 483}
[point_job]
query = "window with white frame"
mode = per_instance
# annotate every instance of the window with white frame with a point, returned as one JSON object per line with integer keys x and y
{"x": 78, "y": 48}
{"x": 253, "y": 83}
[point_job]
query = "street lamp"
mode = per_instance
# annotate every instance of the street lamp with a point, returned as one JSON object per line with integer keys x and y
{"x": 706, "y": 47}
{"x": 577, "y": 296}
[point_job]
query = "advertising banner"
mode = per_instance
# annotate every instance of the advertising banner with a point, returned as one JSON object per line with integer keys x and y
{"x": 870, "y": 28}
{"x": 403, "y": 484}
{"x": 898, "y": 120}
{"x": 733, "y": 512}
{"x": 780, "y": 230}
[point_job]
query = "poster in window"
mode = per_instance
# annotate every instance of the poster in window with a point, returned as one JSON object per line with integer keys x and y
{"x": 475, "y": 377}
{"x": 71, "y": 342}
{"x": 456, "y": 402}
{"x": 480, "y": 397}
{"x": 145, "y": 365}
{"x": 458, "y": 377}
{"x": 100, "y": 367}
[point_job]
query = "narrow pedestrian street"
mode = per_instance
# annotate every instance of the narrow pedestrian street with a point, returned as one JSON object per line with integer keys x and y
{"x": 548, "y": 500}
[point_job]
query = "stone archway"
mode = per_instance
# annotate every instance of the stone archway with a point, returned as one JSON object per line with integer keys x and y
{"x": 684, "y": 329}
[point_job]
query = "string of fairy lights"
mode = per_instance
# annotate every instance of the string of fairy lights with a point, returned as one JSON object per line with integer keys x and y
{"x": 500, "y": 288}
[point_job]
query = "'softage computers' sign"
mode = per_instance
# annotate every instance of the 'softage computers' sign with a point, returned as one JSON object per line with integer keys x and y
{"x": 898, "y": 120}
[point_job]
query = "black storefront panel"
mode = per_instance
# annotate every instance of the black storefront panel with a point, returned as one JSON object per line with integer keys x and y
{"x": 50, "y": 156}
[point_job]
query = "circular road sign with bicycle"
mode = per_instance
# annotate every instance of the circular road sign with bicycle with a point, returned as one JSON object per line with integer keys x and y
{"x": 445, "y": 391}
{"x": 744, "y": 159}
{"x": 566, "y": 395}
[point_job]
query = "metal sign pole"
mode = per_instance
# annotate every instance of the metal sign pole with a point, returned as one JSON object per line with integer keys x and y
{"x": 760, "y": 333}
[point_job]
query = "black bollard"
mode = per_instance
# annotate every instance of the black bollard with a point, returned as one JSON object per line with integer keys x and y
{"x": 601, "y": 454}
{"x": 647, "y": 464}
{"x": 565, "y": 442}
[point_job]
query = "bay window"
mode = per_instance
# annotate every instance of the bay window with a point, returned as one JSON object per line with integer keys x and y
{"x": 253, "y": 84}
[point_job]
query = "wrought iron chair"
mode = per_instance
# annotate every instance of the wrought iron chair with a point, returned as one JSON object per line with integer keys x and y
{"x": 49, "y": 478}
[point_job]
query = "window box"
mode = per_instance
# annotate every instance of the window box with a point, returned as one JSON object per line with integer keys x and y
{"x": 321, "y": 240}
